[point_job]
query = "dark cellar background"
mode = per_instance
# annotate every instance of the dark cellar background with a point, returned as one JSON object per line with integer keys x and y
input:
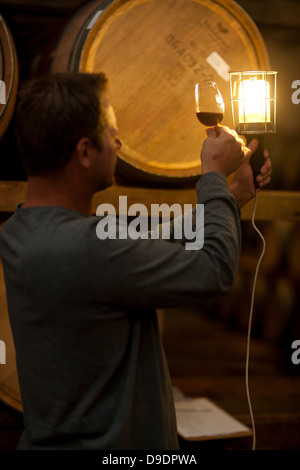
{"x": 204, "y": 350}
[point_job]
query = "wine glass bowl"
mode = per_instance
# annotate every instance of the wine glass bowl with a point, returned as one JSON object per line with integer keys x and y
{"x": 209, "y": 104}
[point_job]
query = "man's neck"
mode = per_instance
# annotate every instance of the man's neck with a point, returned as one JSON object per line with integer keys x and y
{"x": 48, "y": 191}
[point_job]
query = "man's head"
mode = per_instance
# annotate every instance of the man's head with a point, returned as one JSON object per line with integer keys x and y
{"x": 56, "y": 112}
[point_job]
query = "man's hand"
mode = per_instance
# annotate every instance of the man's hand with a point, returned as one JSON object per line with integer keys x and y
{"x": 223, "y": 151}
{"x": 242, "y": 186}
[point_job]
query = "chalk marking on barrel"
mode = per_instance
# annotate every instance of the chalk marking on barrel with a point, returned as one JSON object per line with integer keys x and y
{"x": 219, "y": 65}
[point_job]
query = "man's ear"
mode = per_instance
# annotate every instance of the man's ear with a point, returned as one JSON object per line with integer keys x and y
{"x": 83, "y": 152}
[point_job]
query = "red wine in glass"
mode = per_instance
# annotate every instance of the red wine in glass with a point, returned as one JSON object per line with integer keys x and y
{"x": 210, "y": 119}
{"x": 209, "y": 104}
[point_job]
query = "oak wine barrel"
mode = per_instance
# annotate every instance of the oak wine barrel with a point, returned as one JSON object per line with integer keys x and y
{"x": 9, "y": 384}
{"x": 153, "y": 53}
{"x": 8, "y": 76}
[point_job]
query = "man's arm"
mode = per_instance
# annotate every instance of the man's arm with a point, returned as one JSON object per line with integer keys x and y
{"x": 156, "y": 273}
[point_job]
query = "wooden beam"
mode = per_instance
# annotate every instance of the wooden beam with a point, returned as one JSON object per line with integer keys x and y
{"x": 11, "y": 192}
{"x": 271, "y": 205}
{"x": 275, "y": 205}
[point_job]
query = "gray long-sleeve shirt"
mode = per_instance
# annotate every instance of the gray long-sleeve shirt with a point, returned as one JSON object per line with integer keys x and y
{"x": 92, "y": 369}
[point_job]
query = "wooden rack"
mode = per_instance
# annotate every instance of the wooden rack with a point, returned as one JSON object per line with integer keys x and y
{"x": 272, "y": 204}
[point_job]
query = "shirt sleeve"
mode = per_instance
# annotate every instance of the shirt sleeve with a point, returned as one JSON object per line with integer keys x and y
{"x": 157, "y": 273}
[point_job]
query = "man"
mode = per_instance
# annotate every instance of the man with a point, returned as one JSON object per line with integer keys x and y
{"x": 91, "y": 366}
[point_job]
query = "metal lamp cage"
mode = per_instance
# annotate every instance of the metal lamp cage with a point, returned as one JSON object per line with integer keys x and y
{"x": 253, "y": 101}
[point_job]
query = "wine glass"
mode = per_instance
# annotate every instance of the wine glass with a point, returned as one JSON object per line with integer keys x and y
{"x": 209, "y": 103}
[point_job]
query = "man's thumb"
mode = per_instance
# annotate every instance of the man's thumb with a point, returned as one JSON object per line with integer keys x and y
{"x": 211, "y": 132}
{"x": 251, "y": 147}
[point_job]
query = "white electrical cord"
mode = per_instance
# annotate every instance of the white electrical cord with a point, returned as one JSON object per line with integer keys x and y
{"x": 250, "y": 322}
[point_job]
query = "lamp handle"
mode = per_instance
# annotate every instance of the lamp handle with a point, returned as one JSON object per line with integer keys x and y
{"x": 257, "y": 159}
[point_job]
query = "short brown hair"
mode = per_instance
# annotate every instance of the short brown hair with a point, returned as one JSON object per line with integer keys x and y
{"x": 53, "y": 113}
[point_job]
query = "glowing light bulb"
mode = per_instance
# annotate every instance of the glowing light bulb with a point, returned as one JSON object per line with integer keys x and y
{"x": 254, "y": 101}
